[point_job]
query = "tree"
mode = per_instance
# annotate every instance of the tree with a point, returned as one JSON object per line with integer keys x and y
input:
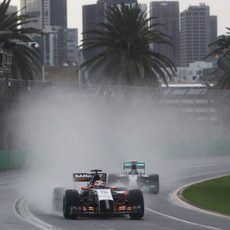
{"x": 221, "y": 45}
{"x": 123, "y": 53}
{"x": 17, "y": 39}
{"x": 221, "y": 51}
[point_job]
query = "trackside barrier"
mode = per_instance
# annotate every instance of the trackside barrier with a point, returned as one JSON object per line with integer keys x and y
{"x": 12, "y": 159}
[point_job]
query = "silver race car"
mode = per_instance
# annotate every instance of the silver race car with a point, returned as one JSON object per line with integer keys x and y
{"x": 134, "y": 176}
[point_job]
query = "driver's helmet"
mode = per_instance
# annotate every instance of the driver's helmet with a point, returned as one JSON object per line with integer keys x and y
{"x": 134, "y": 167}
{"x": 99, "y": 183}
{"x": 133, "y": 170}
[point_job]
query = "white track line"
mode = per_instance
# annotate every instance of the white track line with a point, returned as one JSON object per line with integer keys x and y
{"x": 22, "y": 211}
{"x": 181, "y": 220}
{"x": 194, "y": 208}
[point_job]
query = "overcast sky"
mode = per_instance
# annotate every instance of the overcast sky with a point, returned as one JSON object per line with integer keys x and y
{"x": 217, "y": 7}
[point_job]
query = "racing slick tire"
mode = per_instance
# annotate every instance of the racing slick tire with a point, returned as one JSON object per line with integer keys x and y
{"x": 135, "y": 198}
{"x": 57, "y": 198}
{"x": 71, "y": 199}
{"x": 112, "y": 179}
{"x": 154, "y": 181}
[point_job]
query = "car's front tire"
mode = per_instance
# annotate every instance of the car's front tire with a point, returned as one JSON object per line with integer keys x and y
{"x": 135, "y": 198}
{"x": 71, "y": 199}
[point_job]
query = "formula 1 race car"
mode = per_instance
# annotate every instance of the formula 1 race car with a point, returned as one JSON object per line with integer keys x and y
{"x": 98, "y": 198}
{"x": 133, "y": 176}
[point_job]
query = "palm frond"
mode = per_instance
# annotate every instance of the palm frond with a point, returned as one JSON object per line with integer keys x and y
{"x": 123, "y": 41}
{"x": 14, "y": 38}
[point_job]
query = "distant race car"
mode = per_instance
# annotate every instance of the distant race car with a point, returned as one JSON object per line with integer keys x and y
{"x": 98, "y": 198}
{"x": 133, "y": 176}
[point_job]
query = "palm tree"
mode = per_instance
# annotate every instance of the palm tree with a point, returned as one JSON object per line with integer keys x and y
{"x": 221, "y": 45}
{"x": 15, "y": 39}
{"x": 123, "y": 53}
{"x": 221, "y": 51}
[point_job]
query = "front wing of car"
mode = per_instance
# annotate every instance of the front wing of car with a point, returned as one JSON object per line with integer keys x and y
{"x": 116, "y": 210}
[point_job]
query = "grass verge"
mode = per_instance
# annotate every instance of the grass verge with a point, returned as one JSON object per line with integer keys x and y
{"x": 212, "y": 195}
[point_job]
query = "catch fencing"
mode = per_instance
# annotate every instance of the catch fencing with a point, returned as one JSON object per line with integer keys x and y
{"x": 193, "y": 105}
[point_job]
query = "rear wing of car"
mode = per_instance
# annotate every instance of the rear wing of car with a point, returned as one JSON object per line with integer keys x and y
{"x": 131, "y": 165}
{"x": 85, "y": 177}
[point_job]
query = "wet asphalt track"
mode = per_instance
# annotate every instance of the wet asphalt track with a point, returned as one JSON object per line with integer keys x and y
{"x": 162, "y": 212}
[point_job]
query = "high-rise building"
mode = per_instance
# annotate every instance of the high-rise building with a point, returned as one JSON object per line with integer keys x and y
{"x": 73, "y": 54}
{"x": 50, "y": 17}
{"x": 46, "y": 12}
{"x": 115, "y": 2}
{"x": 144, "y": 7}
{"x": 89, "y": 18}
{"x": 167, "y": 14}
{"x": 93, "y": 14}
{"x": 58, "y": 13}
{"x": 213, "y": 28}
{"x": 198, "y": 30}
{"x": 12, "y": 9}
{"x": 58, "y": 18}
{"x": 39, "y": 10}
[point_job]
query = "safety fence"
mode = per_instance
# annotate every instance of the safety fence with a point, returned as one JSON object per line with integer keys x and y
{"x": 208, "y": 108}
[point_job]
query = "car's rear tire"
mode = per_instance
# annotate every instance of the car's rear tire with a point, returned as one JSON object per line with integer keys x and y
{"x": 135, "y": 198}
{"x": 71, "y": 199}
{"x": 154, "y": 181}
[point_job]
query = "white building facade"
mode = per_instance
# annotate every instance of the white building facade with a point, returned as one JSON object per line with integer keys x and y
{"x": 192, "y": 73}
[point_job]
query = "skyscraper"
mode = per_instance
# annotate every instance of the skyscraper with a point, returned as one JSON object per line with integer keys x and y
{"x": 213, "y": 28}
{"x": 50, "y": 17}
{"x": 12, "y": 9}
{"x": 198, "y": 30}
{"x": 113, "y": 2}
{"x": 58, "y": 13}
{"x": 39, "y": 10}
{"x": 167, "y": 13}
{"x": 89, "y": 19}
{"x": 73, "y": 54}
